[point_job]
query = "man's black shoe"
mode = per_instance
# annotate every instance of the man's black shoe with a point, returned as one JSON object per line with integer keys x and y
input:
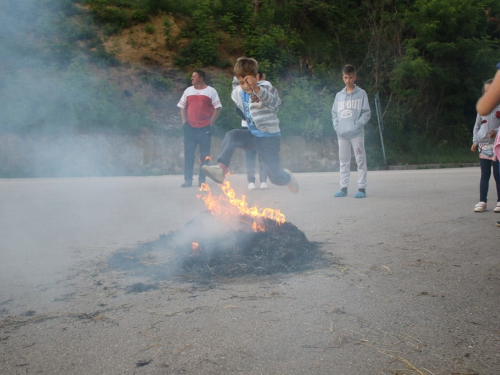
{"x": 187, "y": 184}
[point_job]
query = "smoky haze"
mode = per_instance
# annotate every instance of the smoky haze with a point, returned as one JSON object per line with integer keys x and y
{"x": 59, "y": 116}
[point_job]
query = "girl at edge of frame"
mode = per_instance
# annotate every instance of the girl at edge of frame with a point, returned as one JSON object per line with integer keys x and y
{"x": 486, "y": 104}
{"x": 484, "y": 132}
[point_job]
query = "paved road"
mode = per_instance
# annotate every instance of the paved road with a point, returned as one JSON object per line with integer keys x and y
{"x": 415, "y": 287}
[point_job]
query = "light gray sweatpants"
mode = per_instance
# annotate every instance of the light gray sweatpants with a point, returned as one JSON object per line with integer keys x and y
{"x": 358, "y": 145}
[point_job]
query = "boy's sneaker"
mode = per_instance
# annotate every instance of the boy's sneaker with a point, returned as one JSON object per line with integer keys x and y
{"x": 498, "y": 223}
{"x": 360, "y": 194}
{"x": 215, "y": 172}
{"x": 263, "y": 186}
{"x": 293, "y": 185}
{"x": 251, "y": 186}
{"x": 339, "y": 194}
{"x": 497, "y": 208}
{"x": 480, "y": 207}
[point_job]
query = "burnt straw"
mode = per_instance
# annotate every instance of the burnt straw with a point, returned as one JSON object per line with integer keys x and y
{"x": 227, "y": 253}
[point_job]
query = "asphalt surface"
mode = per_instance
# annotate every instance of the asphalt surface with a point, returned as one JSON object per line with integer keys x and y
{"x": 414, "y": 287}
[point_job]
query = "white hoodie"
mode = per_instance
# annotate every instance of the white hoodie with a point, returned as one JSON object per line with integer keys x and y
{"x": 484, "y": 125}
{"x": 350, "y": 112}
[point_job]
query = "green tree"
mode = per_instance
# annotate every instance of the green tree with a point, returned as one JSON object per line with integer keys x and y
{"x": 201, "y": 49}
{"x": 446, "y": 54}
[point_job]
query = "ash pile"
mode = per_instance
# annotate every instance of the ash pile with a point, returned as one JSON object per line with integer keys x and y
{"x": 206, "y": 248}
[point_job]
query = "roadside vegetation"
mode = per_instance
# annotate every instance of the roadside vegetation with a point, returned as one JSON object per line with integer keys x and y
{"x": 120, "y": 65}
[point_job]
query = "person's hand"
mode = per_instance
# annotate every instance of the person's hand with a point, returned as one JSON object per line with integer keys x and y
{"x": 492, "y": 134}
{"x": 474, "y": 147}
{"x": 252, "y": 82}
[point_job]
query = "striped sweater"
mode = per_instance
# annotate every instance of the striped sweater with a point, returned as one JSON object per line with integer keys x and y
{"x": 264, "y": 112}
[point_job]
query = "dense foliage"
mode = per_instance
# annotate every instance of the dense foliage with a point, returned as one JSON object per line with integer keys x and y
{"x": 426, "y": 58}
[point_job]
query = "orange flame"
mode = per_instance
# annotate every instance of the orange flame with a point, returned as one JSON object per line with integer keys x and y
{"x": 230, "y": 206}
{"x": 207, "y": 158}
{"x": 196, "y": 248}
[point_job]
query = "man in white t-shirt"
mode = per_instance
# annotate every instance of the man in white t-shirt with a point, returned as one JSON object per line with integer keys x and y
{"x": 200, "y": 106}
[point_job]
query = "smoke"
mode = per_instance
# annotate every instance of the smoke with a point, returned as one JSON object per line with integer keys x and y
{"x": 59, "y": 117}
{"x": 18, "y": 20}
{"x": 54, "y": 88}
{"x": 186, "y": 250}
{"x": 204, "y": 228}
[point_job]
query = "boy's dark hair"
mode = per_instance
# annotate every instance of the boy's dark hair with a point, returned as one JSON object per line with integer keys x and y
{"x": 200, "y": 73}
{"x": 246, "y": 66}
{"x": 487, "y": 82}
{"x": 349, "y": 69}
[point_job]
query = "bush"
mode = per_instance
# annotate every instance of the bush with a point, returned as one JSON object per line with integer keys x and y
{"x": 140, "y": 15}
{"x": 227, "y": 23}
{"x": 110, "y": 29}
{"x": 228, "y": 119}
{"x": 200, "y": 51}
{"x": 160, "y": 83}
{"x": 103, "y": 58}
{"x": 117, "y": 17}
{"x": 313, "y": 128}
{"x": 202, "y": 48}
{"x": 305, "y": 110}
{"x": 149, "y": 28}
{"x": 84, "y": 32}
{"x": 167, "y": 27}
{"x": 167, "y": 24}
{"x": 185, "y": 7}
{"x": 53, "y": 100}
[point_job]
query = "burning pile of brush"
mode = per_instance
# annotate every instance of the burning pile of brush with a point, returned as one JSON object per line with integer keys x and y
{"x": 230, "y": 239}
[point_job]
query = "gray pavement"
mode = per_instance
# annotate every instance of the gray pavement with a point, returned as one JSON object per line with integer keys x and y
{"x": 415, "y": 288}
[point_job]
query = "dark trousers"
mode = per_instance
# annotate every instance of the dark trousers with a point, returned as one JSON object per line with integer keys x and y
{"x": 485, "y": 178}
{"x": 192, "y": 138}
{"x": 250, "y": 156}
{"x": 268, "y": 149}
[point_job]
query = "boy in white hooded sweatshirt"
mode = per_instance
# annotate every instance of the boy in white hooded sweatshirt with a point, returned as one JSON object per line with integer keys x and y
{"x": 350, "y": 112}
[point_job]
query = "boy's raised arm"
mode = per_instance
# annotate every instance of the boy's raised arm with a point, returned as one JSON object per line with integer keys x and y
{"x": 270, "y": 97}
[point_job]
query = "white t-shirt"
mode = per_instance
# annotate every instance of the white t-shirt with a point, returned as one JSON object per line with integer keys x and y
{"x": 200, "y": 105}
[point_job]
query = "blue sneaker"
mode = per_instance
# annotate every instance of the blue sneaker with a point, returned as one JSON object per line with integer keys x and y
{"x": 339, "y": 194}
{"x": 360, "y": 194}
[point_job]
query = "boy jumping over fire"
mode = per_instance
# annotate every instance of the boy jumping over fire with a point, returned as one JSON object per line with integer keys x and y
{"x": 259, "y": 101}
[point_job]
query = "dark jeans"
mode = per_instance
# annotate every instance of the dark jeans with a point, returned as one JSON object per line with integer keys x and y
{"x": 485, "y": 178}
{"x": 192, "y": 138}
{"x": 250, "y": 156}
{"x": 268, "y": 149}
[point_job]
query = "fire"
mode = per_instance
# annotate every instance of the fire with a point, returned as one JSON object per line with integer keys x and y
{"x": 229, "y": 206}
{"x": 196, "y": 248}
{"x": 207, "y": 158}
